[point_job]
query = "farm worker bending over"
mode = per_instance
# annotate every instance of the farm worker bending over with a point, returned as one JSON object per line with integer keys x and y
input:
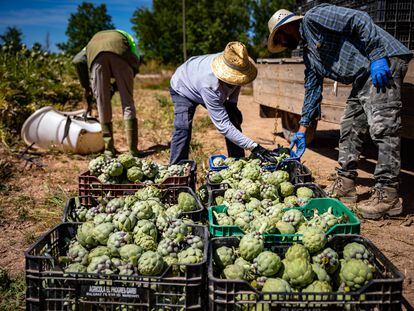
{"x": 346, "y": 46}
{"x": 214, "y": 81}
{"x": 111, "y": 54}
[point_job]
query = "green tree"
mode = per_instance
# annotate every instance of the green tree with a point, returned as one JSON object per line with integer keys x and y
{"x": 83, "y": 24}
{"x": 210, "y": 24}
{"x": 261, "y": 11}
{"x": 12, "y": 38}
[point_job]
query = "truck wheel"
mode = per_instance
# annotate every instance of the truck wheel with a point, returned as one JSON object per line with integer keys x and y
{"x": 290, "y": 125}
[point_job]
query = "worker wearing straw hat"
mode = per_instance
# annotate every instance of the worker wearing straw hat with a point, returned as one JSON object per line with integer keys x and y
{"x": 214, "y": 81}
{"x": 346, "y": 46}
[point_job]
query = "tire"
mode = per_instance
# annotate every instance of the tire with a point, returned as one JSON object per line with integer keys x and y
{"x": 290, "y": 125}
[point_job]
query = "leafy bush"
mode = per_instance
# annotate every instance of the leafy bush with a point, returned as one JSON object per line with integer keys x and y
{"x": 29, "y": 80}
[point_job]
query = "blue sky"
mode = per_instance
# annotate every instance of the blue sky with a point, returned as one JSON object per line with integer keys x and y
{"x": 38, "y": 17}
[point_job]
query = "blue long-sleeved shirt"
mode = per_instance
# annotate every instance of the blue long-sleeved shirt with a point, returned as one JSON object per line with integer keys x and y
{"x": 340, "y": 44}
{"x": 196, "y": 81}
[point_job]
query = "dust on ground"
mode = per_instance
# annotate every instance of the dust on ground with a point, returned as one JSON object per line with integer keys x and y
{"x": 32, "y": 199}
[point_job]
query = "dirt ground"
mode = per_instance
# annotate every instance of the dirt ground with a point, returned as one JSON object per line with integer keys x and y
{"x": 32, "y": 198}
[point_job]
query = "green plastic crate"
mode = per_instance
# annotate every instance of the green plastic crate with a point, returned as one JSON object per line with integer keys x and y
{"x": 352, "y": 226}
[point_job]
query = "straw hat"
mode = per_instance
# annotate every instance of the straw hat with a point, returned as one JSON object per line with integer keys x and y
{"x": 234, "y": 65}
{"x": 280, "y": 18}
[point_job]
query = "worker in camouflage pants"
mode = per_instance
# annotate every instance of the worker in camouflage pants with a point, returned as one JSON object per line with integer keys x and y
{"x": 346, "y": 46}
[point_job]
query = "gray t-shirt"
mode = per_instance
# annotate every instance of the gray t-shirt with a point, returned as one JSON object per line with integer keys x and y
{"x": 196, "y": 81}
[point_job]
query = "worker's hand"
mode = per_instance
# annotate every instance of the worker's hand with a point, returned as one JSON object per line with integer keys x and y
{"x": 380, "y": 73}
{"x": 299, "y": 140}
{"x": 263, "y": 154}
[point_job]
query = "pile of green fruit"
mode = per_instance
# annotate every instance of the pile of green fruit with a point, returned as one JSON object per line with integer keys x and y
{"x": 308, "y": 267}
{"x": 135, "y": 235}
{"x": 150, "y": 196}
{"x": 128, "y": 169}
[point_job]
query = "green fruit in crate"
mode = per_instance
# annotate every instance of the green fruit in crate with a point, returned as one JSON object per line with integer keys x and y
{"x": 114, "y": 205}
{"x": 100, "y": 265}
{"x": 135, "y": 174}
{"x": 240, "y": 196}
{"x": 125, "y": 220}
{"x": 127, "y": 160}
{"x": 194, "y": 241}
{"x": 304, "y": 194}
{"x": 215, "y": 177}
{"x": 177, "y": 169}
{"x": 224, "y": 256}
{"x": 145, "y": 241}
{"x": 228, "y": 194}
{"x": 84, "y": 235}
{"x": 176, "y": 231}
{"x": 151, "y": 263}
{"x": 149, "y": 168}
{"x": 281, "y": 176}
{"x": 268, "y": 191}
{"x": 252, "y": 188}
{"x": 327, "y": 258}
{"x": 169, "y": 260}
{"x": 149, "y": 192}
{"x": 126, "y": 269}
{"x": 173, "y": 211}
{"x": 234, "y": 272}
{"x": 116, "y": 263}
{"x": 298, "y": 272}
{"x": 142, "y": 210}
{"x": 293, "y": 216}
{"x": 330, "y": 219}
{"x": 275, "y": 285}
{"x": 106, "y": 179}
{"x": 75, "y": 268}
{"x": 258, "y": 222}
{"x": 102, "y": 218}
{"x": 314, "y": 239}
{"x": 229, "y": 161}
{"x": 297, "y": 251}
{"x": 286, "y": 189}
{"x": 77, "y": 253}
{"x": 168, "y": 247}
{"x": 285, "y": 227}
{"x": 225, "y": 174}
{"x": 355, "y": 250}
{"x": 156, "y": 206}
{"x": 96, "y": 165}
{"x": 118, "y": 239}
{"x": 130, "y": 253}
{"x": 101, "y": 232}
{"x": 321, "y": 273}
{"x": 190, "y": 256}
{"x": 355, "y": 273}
{"x": 251, "y": 172}
{"x": 146, "y": 227}
{"x": 99, "y": 251}
{"x": 290, "y": 201}
{"x": 186, "y": 202}
{"x": 113, "y": 168}
{"x": 222, "y": 219}
{"x": 236, "y": 167}
{"x": 79, "y": 214}
{"x": 251, "y": 245}
{"x": 317, "y": 287}
{"x": 235, "y": 209}
{"x": 243, "y": 221}
{"x": 268, "y": 263}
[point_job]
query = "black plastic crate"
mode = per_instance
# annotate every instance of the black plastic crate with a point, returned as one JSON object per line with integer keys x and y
{"x": 298, "y": 173}
{"x": 384, "y": 292}
{"x": 214, "y": 193}
{"x": 49, "y": 288}
{"x": 90, "y": 185}
{"x": 169, "y": 196}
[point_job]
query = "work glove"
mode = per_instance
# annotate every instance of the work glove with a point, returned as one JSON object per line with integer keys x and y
{"x": 298, "y": 140}
{"x": 263, "y": 154}
{"x": 380, "y": 73}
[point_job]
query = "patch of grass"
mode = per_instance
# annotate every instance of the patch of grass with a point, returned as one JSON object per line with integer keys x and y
{"x": 12, "y": 297}
{"x": 203, "y": 124}
{"x": 29, "y": 237}
{"x": 162, "y": 84}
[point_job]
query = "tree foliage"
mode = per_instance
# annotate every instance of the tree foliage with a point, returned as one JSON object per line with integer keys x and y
{"x": 210, "y": 24}
{"x": 12, "y": 38}
{"x": 83, "y": 24}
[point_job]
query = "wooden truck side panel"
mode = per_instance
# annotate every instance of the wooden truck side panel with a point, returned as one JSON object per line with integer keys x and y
{"x": 280, "y": 84}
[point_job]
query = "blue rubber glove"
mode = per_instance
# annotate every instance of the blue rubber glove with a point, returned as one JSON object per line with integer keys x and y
{"x": 380, "y": 73}
{"x": 299, "y": 139}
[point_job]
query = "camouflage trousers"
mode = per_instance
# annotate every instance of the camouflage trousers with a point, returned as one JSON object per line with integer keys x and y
{"x": 379, "y": 113}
